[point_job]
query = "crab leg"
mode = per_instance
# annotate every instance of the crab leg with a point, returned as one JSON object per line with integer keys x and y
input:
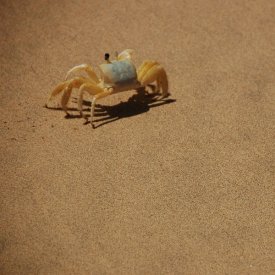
{"x": 151, "y": 71}
{"x": 126, "y": 54}
{"x": 162, "y": 82}
{"x": 150, "y": 75}
{"x": 65, "y": 98}
{"x": 145, "y": 66}
{"x": 90, "y": 88}
{"x": 96, "y": 97}
{"x": 67, "y": 87}
{"x": 58, "y": 89}
{"x": 84, "y": 67}
{"x": 96, "y": 92}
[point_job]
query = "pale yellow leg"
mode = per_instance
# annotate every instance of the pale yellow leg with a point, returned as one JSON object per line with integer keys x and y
{"x": 90, "y": 88}
{"x": 126, "y": 54}
{"x": 86, "y": 68}
{"x": 141, "y": 67}
{"x": 65, "y": 98}
{"x": 163, "y": 83}
{"x": 67, "y": 87}
{"x": 145, "y": 66}
{"x": 96, "y": 97}
{"x": 151, "y": 75}
{"x": 74, "y": 83}
{"x": 152, "y": 71}
{"x": 58, "y": 89}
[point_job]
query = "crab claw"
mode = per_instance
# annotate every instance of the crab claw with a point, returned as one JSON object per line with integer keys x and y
{"x": 126, "y": 54}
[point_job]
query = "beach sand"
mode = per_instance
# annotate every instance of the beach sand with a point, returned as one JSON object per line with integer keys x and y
{"x": 182, "y": 186}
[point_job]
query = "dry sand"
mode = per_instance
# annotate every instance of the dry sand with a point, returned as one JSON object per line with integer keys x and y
{"x": 178, "y": 187}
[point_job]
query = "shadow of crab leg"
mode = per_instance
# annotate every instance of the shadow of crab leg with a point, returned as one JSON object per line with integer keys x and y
{"x": 86, "y": 68}
{"x": 91, "y": 89}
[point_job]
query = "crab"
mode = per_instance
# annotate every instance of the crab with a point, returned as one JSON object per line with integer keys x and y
{"x": 116, "y": 76}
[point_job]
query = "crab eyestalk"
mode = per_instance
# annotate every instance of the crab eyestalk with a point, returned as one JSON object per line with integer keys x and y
{"x": 106, "y": 57}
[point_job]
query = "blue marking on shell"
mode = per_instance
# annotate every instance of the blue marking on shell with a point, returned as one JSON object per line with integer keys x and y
{"x": 119, "y": 72}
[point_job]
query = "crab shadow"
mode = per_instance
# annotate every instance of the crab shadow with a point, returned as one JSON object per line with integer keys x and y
{"x": 137, "y": 104}
{"x": 68, "y": 109}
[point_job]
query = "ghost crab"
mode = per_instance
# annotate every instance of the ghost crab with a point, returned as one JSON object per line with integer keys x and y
{"x": 116, "y": 76}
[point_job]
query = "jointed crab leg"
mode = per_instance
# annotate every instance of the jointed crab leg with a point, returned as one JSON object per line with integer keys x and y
{"x": 96, "y": 92}
{"x": 157, "y": 73}
{"x": 58, "y": 89}
{"x": 67, "y": 87}
{"x": 65, "y": 98}
{"x": 162, "y": 82}
{"x": 90, "y": 88}
{"x": 84, "y": 67}
{"x": 150, "y": 75}
{"x": 144, "y": 67}
{"x": 151, "y": 71}
{"x": 96, "y": 97}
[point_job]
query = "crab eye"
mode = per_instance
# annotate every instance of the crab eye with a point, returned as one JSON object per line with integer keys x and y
{"x": 106, "y": 56}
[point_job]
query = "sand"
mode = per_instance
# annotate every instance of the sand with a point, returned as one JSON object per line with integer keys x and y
{"x": 184, "y": 186}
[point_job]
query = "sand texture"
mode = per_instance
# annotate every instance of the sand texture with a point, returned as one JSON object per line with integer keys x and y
{"x": 181, "y": 186}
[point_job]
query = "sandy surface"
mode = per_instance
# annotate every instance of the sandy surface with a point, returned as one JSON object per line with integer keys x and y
{"x": 178, "y": 187}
